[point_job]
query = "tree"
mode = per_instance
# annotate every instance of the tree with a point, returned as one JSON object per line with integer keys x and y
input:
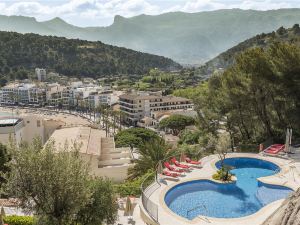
{"x": 189, "y": 137}
{"x": 222, "y": 146}
{"x": 134, "y": 137}
{"x": 150, "y": 153}
{"x": 4, "y": 160}
{"x": 52, "y": 184}
{"x": 102, "y": 208}
{"x": 176, "y": 123}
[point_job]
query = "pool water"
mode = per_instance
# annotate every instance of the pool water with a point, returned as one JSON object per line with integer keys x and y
{"x": 243, "y": 198}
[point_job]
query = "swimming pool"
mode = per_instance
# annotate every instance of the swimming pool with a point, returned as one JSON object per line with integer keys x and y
{"x": 242, "y": 198}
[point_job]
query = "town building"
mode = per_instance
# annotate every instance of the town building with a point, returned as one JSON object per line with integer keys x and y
{"x": 26, "y": 128}
{"x": 99, "y": 151}
{"x": 23, "y": 93}
{"x": 157, "y": 116}
{"x": 137, "y": 106}
{"x": 41, "y": 74}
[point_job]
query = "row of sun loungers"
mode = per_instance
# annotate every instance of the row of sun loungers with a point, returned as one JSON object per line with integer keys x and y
{"x": 177, "y": 169}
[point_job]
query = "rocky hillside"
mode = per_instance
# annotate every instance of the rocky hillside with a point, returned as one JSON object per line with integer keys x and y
{"x": 263, "y": 40}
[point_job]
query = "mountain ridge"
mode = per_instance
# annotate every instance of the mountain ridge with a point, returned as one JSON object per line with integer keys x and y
{"x": 188, "y": 38}
{"x": 227, "y": 58}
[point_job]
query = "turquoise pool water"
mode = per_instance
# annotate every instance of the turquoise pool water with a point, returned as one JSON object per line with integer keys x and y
{"x": 243, "y": 198}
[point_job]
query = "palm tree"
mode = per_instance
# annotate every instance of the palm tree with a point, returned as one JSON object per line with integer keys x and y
{"x": 150, "y": 153}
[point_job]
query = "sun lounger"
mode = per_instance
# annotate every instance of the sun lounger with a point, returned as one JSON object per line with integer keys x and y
{"x": 188, "y": 160}
{"x": 176, "y": 163}
{"x": 169, "y": 174}
{"x": 172, "y": 168}
{"x": 274, "y": 149}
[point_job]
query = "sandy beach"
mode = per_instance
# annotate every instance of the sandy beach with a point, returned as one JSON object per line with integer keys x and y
{"x": 73, "y": 119}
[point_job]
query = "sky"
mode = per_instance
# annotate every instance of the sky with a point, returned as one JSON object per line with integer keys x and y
{"x": 101, "y": 12}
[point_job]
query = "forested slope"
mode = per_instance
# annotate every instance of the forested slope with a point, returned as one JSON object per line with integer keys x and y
{"x": 226, "y": 59}
{"x": 21, "y": 53}
{"x": 257, "y": 98}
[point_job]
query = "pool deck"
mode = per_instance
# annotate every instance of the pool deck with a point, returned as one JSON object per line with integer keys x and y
{"x": 289, "y": 176}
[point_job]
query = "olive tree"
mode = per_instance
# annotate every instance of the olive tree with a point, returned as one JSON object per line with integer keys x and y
{"x": 50, "y": 183}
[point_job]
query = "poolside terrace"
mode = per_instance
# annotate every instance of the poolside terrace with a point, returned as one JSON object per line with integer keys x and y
{"x": 288, "y": 176}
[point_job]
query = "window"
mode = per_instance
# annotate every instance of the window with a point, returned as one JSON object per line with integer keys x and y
{"x": 38, "y": 123}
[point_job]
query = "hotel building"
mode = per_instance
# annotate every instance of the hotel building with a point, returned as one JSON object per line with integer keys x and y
{"x": 137, "y": 106}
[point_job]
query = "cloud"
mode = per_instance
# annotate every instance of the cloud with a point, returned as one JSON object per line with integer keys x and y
{"x": 208, "y": 5}
{"x": 101, "y": 12}
{"x": 86, "y": 9}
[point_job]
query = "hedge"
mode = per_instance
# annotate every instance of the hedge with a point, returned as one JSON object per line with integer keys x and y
{"x": 18, "y": 220}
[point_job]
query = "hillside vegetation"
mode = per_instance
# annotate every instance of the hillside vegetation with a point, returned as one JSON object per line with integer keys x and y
{"x": 188, "y": 38}
{"x": 21, "y": 53}
{"x": 256, "y": 99}
{"x": 227, "y": 58}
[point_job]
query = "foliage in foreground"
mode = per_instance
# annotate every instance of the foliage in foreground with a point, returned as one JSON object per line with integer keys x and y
{"x": 19, "y": 220}
{"x": 102, "y": 205}
{"x": 56, "y": 186}
{"x": 4, "y": 168}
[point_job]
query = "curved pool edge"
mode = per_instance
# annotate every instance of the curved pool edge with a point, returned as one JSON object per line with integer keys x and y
{"x": 265, "y": 211}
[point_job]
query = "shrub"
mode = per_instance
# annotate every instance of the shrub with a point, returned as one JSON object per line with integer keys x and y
{"x": 133, "y": 187}
{"x": 223, "y": 174}
{"x": 19, "y": 220}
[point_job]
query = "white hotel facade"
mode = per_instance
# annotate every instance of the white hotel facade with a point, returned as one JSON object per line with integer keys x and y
{"x": 55, "y": 94}
{"x": 140, "y": 105}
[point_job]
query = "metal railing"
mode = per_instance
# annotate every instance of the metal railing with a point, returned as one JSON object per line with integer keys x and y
{"x": 149, "y": 185}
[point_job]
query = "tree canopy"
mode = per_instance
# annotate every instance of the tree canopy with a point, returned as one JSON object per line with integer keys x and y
{"x": 150, "y": 153}
{"x": 20, "y": 54}
{"x": 256, "y": 99}
{"x": 56, "y": 186}
{"x": 176, "y": 122}
{"x": 134, "y": 137}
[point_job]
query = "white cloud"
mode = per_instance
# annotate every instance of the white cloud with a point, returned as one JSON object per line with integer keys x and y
{"x": 202, "y": 5}
{"x": 208, "y": 5}
{"x": 101, "y": 12}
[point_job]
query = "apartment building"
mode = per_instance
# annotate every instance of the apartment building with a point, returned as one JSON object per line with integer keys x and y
{"x": 54, "y": 94}
{"x": 140, "y": 105}
{"x": 41, "y": 74}
{"x": 58, "y": 96}
{"x": 22, "y": 94}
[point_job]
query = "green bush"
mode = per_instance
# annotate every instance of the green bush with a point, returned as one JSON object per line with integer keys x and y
{"x": 223, "y": 174}
{"x": 133, "y": 187}
{"x": 18, "y": 220}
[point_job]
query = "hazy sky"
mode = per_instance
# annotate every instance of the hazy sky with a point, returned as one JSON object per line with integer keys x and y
{"x": 102, "y": 12}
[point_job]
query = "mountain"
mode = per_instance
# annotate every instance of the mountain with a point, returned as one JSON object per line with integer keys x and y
{"x": 263, "y": 40}
{"x": 188, "y": 38}
{"x": 21, "y": 53}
